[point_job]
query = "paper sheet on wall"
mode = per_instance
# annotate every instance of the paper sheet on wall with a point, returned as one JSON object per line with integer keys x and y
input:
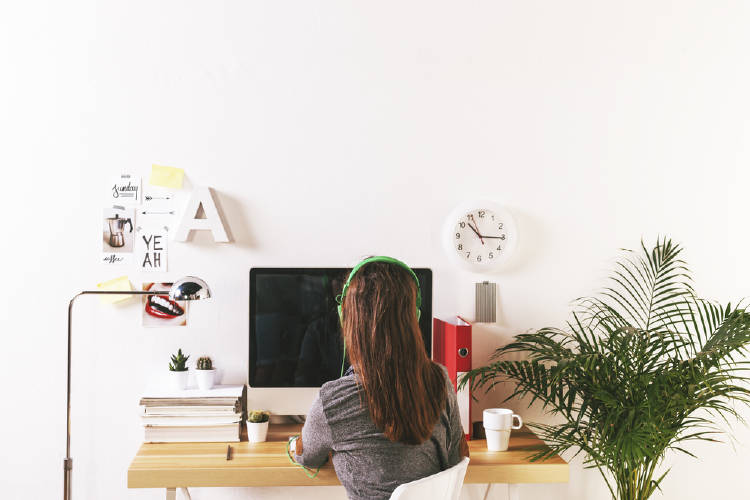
{"x": 117, "y": 284}
{"x": 158, "y": 207}
{"x": 117, "y": 235}
{"x": 156, "y": 215}
{"x": 125, "y": 189}
{"x": 170, "y": 177}
{"x": 151, "y": 249}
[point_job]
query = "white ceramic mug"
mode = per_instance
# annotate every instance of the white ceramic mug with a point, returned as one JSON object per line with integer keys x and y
{"x": 498, "y": 423}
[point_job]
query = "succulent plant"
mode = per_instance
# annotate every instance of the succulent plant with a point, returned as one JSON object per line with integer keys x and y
{"x": 204, "y": 363}
{"x": 178, "y": 362}
{"x": 258, "y": 416}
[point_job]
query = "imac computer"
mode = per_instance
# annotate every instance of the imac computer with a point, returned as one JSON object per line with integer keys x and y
{"x": 295, "y": 336}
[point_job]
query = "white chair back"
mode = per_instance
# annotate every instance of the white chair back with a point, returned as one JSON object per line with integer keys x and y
{"x": 445, "y": 485}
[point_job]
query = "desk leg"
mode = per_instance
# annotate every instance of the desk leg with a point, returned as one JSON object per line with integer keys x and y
{"x": 513, "y": 492}
{"x": 171, "y": 493}
{"x": 487, "y": 491}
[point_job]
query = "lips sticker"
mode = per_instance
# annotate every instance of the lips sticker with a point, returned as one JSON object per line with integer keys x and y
{"x": 161, "y": 306}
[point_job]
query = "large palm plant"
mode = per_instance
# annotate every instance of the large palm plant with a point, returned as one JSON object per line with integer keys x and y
{"x": 640, "y": 369}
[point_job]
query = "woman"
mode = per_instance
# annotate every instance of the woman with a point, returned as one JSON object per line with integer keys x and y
{"x": 393, "y": 418}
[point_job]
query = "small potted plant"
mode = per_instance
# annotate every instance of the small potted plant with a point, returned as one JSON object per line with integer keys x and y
{"x": 204, "y": 373}
{"x": 178, "y": 370}
{"x": 257, "y": 425}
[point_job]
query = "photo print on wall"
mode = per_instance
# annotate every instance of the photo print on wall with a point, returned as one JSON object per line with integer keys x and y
{"x": 160, "y": 310}
{"x": 117, "y": 235}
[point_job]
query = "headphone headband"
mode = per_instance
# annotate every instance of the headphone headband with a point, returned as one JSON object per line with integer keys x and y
{"x": 380, "y": 258}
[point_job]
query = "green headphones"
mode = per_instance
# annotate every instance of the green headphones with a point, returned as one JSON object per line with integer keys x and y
{"x": 340, "y": 297}
{"x": 391, "y": 260}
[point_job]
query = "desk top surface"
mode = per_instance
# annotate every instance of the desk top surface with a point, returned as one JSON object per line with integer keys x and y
{"x": 171, "y": 465}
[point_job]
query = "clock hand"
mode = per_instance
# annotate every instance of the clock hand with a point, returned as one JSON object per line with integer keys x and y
{"x": 494, "y": 237}
{"x": 475, "y": 230}
{"x": 477, "y": 233}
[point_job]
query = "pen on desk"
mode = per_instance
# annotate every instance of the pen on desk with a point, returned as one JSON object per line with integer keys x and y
{"x": 229, "y": 452}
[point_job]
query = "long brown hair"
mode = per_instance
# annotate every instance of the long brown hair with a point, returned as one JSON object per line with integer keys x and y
{"x": 404, "y": 390}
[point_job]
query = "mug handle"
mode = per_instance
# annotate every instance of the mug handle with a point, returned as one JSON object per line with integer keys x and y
{"x": 520, "y": 422}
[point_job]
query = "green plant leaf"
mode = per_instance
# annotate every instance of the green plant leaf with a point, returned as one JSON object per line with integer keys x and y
{"x": 633, "y": 373}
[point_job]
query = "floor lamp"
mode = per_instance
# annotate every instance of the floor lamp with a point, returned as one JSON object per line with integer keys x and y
{"x": 188, "y": 288}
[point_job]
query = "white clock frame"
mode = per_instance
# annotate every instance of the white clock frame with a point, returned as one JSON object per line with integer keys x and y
{"x": 510, "y": 229}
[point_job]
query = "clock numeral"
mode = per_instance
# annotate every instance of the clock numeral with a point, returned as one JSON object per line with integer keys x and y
{"x": 479, "y": 258}
{"x": 493, "y": 217}
{"x": 462, "y": 225}
{"x": 498, "y": 248}
{"x": 500, "y": 226}
{"x": 492, "y": 256}
{"x": 460, "y": 247}
{"x": 468, "y": 254}
{"x": 458, "y": 236}
{"x": 481, "y": 214}
{"x": 502, "y": 236}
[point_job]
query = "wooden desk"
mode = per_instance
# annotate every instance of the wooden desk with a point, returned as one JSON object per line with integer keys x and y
{"x": 177, "y": 465}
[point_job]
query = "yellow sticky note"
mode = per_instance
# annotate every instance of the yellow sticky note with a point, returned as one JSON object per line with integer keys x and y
{"x": 170, "y": 177}
{"x": 118, "y": 284}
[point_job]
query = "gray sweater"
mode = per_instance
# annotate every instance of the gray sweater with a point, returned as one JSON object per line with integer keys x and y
{"x": 368, "y": 464}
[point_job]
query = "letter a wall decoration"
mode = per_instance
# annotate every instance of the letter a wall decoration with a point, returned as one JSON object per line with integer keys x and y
{"x": 202, "y": 197}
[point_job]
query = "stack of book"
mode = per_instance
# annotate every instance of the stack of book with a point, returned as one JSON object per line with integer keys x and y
{"x": 193, "y": 415}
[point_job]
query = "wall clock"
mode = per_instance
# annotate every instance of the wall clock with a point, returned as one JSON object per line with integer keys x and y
{"x": 480, "y": 235}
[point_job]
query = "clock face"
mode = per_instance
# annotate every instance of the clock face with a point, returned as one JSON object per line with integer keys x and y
{"x": 480, "y": 238}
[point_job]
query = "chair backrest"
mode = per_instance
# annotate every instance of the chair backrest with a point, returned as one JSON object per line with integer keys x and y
{"x": 445, "y": 485}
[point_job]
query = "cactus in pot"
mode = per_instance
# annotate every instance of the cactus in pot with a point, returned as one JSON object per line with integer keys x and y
{"x": 205, "y": 372}
{"x": 204, "y": 363}
{"x": 258, "y": 416}
{"x": 179, "y": 361}
{"x": 257, "y": 425}
{"x": 178, "y": 370}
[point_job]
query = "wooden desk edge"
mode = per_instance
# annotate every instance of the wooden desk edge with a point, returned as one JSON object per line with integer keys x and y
{"x": 284, "y": 476}
{"x": 223, "y": 477}
{"x": 234, "y": 474}
{"x": 518, "y": 473}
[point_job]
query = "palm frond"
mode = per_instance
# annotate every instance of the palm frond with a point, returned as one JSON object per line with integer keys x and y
{"x": 642, "y": 368}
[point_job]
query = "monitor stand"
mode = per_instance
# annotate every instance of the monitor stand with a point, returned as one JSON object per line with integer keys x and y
{"x": 282, "y": 400}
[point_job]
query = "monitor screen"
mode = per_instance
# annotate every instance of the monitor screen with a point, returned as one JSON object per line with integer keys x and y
{"x": 295, "y": 336}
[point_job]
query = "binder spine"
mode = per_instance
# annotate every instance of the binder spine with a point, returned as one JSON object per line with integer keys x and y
{"x": 452, "y": 349}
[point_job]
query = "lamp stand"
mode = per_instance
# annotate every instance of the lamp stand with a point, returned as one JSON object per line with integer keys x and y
{"x": 68, "y": 462}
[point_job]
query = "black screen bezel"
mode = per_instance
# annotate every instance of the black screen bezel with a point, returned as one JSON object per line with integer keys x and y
{"x": 425, "y": 320}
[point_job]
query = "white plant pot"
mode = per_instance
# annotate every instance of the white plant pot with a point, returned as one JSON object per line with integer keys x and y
{"x": 205, "y": 379}
{"x": 179, "y": 380}
{"x": 257, "y": 432}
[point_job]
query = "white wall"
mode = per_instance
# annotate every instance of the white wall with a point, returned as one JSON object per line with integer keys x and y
{"x": 333, "y": 130}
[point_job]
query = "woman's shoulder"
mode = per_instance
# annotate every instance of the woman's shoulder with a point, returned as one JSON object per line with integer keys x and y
{"x": 450, "y": 389}
{"x": 336, "y": 391}
{"x": 444, "y": 372}
{"x": 442, "y": 369}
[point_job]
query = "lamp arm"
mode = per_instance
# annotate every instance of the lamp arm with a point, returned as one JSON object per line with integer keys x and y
{"x": 68, "y": 462}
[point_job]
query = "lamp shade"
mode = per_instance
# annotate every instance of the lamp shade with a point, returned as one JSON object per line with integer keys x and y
{"x": 189, "y": 288}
